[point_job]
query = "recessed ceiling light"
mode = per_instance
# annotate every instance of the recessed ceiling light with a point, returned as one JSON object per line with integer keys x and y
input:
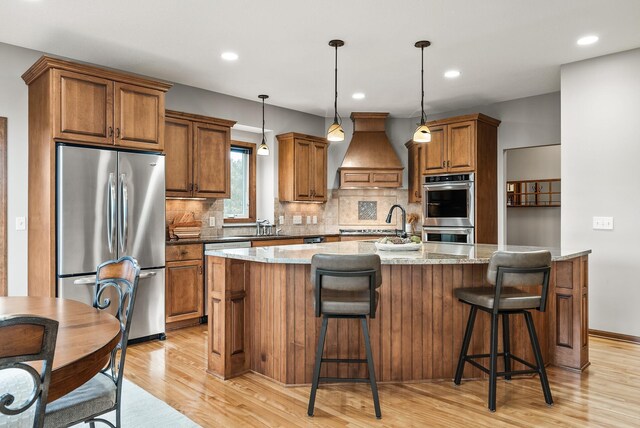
{"x": 452, "y": 74}
{"x": 229, "y": 56}
{"x": 587, "y": 40}
{"x": 358, "y": 96}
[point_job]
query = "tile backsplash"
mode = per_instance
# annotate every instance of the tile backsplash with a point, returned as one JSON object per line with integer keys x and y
{"x": 344, "y": 209}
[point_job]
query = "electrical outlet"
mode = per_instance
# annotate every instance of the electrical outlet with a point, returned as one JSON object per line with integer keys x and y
{"x": 281, "y": 219}
{"x": 315, "y": 219}
{"x": 308, "y": 219}
{"x": 603, "y": 223}
{"x": 212, "y": 221}
{"x": 20, "y": 223}
{"x": 297, "y": 219}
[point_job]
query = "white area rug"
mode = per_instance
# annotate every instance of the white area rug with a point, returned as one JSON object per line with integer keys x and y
{"x": 141, "y": 409}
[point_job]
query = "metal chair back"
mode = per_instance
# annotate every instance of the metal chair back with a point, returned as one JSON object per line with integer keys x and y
{"x": 25, "y": 339}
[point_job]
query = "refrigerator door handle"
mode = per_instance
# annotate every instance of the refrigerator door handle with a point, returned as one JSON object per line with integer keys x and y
{"x": 144, "y": 275}
{"x": 124, "y": 223}
{"x": 87, "y": 280}
{"x": 111, "y": 216}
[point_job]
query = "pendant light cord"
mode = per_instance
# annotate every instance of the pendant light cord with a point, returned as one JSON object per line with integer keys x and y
{"x": 263, "y": 120}
{"x": 422, "y": 117}
{"x": 335, "y": 100}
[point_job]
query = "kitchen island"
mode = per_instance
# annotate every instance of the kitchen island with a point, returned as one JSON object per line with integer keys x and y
{"x": 261, "y": 316}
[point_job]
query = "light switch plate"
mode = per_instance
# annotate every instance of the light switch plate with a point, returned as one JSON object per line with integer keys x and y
{"x": 308, "y": 219}
{"x": 603, "y": 223}
{"x": 20, "y": 223}
{"x": 281, "y": 219}
{"x": 315, "y": 219}
{"x": 297, "y": 219}
{"x": 212, "y": 221}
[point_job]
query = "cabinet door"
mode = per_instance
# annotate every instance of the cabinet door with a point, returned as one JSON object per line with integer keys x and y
{"x": 178, "y": 148}
{"x": 435, "y": 151}
{"x": 184, "y": 290}
{"x": 415, "y": 172}
{"x": 461, "y": 147}
{"x": 301, "y": 170}
{"x": 211, "y": 151}
{"x": 139, "y": 117}
{"x": 319, "y": 172}
{"x": 83, "y": 108}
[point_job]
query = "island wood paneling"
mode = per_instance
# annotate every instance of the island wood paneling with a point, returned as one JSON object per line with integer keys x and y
{"x": 416, "y": 334}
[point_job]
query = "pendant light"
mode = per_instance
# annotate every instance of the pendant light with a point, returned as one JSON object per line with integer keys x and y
{"x": 263, "y": 149}
{"x": 422, "y": 134}
{"x": 335, "y": 132}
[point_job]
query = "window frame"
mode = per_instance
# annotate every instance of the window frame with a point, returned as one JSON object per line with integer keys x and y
{"x": 252, "y": 184}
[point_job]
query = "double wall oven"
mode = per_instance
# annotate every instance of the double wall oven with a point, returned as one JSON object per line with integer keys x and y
{"x": 448, "y": 203}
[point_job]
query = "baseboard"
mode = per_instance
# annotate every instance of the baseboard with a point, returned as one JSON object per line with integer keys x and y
{"x": 615, "y": 336}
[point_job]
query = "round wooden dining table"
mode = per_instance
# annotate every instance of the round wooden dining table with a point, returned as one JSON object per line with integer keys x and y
{"x": 86, "y": 337}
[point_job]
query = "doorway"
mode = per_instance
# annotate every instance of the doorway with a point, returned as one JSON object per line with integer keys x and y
{"x": 533, "y": 196}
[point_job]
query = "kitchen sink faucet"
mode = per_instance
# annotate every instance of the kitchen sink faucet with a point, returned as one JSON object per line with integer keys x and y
{"x": 403, "y": 231}
{"x": 260, "y": 223}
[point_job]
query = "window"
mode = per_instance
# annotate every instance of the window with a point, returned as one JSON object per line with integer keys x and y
{"x": 241, "y": 206}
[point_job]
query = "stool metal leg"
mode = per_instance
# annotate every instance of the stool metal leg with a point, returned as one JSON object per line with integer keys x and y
{"x": 465, "y": 345}
{"x": 316, "y": 369}
{"x": 506, "y": 344}
{"x": 538, "y": 354}
{"x": 372, "y": 373}
{"x": 493, "y": 360}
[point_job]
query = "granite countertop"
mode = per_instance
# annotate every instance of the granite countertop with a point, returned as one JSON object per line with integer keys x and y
{"x": 430, "y": 253}
{"x": 219, "y": 239}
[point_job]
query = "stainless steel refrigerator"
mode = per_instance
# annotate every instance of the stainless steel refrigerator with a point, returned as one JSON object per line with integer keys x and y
{"x": 109, "y": 204}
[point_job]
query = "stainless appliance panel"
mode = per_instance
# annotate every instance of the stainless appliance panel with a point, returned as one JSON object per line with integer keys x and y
{"x": 460, "y": 235}
{"x": 148, "y": 312}
{"x": 450, "y": 203}
{"x": 141, "y": 201}
{"x": 86, "y": 208}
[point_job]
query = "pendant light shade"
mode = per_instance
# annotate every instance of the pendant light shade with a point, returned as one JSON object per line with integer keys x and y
{"x": 335, "y": 132}
{"x": 422, "y": 133}
{"x": 263, "y": 149}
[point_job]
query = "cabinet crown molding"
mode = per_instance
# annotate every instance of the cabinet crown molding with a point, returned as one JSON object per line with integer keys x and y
{"x": 199, "y": 118}
{"x": 48, "y": 62}
{"x": 477, "y": 116}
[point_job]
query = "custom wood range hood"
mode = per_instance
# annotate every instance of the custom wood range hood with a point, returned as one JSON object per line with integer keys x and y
{"x": 370, "y": 161}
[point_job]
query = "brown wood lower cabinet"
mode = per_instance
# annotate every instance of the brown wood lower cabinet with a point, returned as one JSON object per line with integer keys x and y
{"x": 184, "y": 287}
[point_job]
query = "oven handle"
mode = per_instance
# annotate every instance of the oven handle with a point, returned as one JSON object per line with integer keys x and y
{"x": 448, "y": 186}
{"x": 453, "y": 230}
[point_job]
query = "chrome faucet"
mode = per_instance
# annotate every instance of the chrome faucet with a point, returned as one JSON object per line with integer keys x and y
{"x": 258, "y": 228}
{"x": 403, "y": 231}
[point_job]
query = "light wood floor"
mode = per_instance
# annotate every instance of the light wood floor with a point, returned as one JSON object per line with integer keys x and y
{"x": 607, "y": 394}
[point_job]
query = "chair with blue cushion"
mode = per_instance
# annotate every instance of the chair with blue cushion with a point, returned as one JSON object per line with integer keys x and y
{"x": 102, "y": 393}
{"x": 25, "y": 339}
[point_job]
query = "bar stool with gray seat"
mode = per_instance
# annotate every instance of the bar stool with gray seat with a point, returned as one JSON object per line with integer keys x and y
{"x": 345, "y": 286}
{"x": 506, "y": 271}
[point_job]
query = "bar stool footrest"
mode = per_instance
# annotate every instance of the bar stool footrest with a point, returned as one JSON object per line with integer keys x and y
{"x": 471, "y": 360}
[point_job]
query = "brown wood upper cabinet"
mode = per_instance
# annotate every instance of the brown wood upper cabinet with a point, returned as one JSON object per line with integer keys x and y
{"x": 197, "y": 152}
{"x": 97, "y": 110}
{"x": 455, "y": 143}
{"x": 302, "y": 168}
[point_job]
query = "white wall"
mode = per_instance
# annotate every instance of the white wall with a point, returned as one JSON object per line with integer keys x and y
{"x": 14, "y": 105}
{"x": 399, "y": 131}
{"x": 600, "y": 176}
{"x": 526, "y": 122}
{"x": 539, "y": 226}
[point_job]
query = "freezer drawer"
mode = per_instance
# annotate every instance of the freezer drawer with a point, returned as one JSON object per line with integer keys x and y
{"x": 148, "y": 313}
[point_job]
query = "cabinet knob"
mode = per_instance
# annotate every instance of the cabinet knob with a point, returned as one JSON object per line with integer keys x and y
{"x": 444, "y": 164}
{"x": 196, "y": 187}
{"x": 200, "y": 270}
{"x": 117, "y": 132}
{"x": 110, "y": 131}
{"x": 191, "y": 187}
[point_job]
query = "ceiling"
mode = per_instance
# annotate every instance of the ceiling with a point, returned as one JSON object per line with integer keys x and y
{"x": 505, "y": 49}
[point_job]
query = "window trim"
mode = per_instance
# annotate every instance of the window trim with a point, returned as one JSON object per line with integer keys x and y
{"x": 252, "y": 184}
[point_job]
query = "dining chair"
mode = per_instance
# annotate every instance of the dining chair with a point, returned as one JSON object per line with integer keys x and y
{"x": 23, "y": 389}
{"x": 102, "y": 393}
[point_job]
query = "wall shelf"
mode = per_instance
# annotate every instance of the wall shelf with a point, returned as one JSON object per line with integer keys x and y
{"x": 534, "y": 193}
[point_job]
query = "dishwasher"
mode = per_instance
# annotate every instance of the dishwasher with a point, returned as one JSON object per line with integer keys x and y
{"x": 219, "y": 246}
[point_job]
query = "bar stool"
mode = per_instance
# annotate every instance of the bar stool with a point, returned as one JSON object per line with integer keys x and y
{"x": 345, "y": 286}
{"x": 507, "y": 270}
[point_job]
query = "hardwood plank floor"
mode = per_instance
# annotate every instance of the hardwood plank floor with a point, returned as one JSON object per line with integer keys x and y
{"x": 607, "y": 394}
